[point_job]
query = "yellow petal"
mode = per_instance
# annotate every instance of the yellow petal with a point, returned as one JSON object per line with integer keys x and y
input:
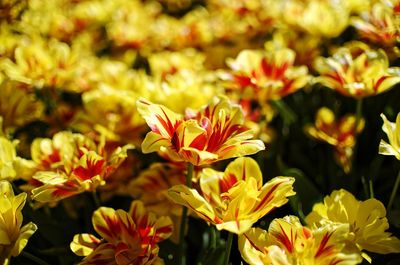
{"x": 25, "y": 233}
{"x": 160, "y": 119}
{"x": 84, "y": 244}
{"x": 191, "y": 198}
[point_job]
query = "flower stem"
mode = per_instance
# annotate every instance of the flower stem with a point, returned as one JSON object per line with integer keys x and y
{"x": 359, "y": 103}
{"x": 213, "y": 238}
{"x": 228, "y": 248}
{"x": 182, "y": 229}
{"x": 371, "y": 189}
{"x": 96, "y": 199}
{"x": 394, "y": 191}
{"x": 33, "y": 258}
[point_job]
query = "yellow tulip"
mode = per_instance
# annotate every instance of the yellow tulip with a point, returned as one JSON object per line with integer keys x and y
{"x": 266, "y": 75}
{"x": 357, "y": 75}
{"x": 235, "y": 199}
{"x": 366, "y": 220}
{"x": 214, "y": 133}
{"x": 127, "y": 237}
{"x": 70, "y": 164}
{"x": 13, "y": 237}
{"x": 341, "y": 134}
{"x": 379, "y": 25}
{"x": 287, "y": 242}
{"x": 392, "y": 131}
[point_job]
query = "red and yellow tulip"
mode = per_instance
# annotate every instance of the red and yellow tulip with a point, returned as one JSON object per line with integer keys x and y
{"x": 341, "y": 134}
{"x": 288, "y": 242}
{"x": 235, "y": 199}
{"x": 126, "y": 237}
{"x": 366, "y": 220}
{"x": 214, "y": 133}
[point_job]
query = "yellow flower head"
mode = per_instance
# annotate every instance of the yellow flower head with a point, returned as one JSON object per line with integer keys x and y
{"x": 18, "y": 105}
{"x": 70, "y": 164}
{"x": 357, "y": 75}
{"x": 324, "y": 18}
{"x": 167, "y": 63}
{"x": 130, "y": 24}
{"x": 341, "y": 134}
{"x": 214, "y": 133}
{"x": 111, "y": 112}
{"x": 392, "y": 131}
{"x": 126, "y": 237}
{"x": 13, "y": 237}
{"x": 186, "y": 89}
{"x": 41, "y": 64}
{"x": 151, "y": 187}
{"x": 366, "y": 219}
{"x": 288, "y": 242}
{"x": 266, "y": 75}
{"x": 235, "y": 199}
{"x": 379, "y": 25}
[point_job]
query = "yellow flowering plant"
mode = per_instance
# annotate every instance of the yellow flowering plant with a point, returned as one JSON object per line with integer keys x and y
{"x": 70, "y": 164}
{"x": 357, "y": 75}
{"x": 287, "y": 241}
{"x": 214, "y": 133}
{"x": 13, "y": 236}
{"x": 235, "y": 199}
{"x": 126, "y": 237}
{"x": 366, "y": 219}
{"x": 392, "y": 130}
{"x": 152, "y": 107}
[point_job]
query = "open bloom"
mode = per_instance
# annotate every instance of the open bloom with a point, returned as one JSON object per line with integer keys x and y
{"x": 379, "y": 25}
{"x": 357, "y": 75}
{"x": 288, "y": 242}
{"x": 392, "y": 131}
{"x": 70, "y": 164}
{"x": 324, "y": 18}
{"x": 341, "y": 134}
{"x": 18, "y": 105}
{"x": 214, "y": 133}
{"x": 265, "y": 75}
{"x": 366, "y": 219}
{"x": 126, "y": 237}
{"x": 235, "y": 199}
{"x": 13, "y": 237}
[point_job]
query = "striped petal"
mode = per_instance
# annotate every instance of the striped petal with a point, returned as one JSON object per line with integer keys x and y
{"x": 274, "y": 194}
{"x": 84, "y": 244}
{"x": 193, "y": 200}
{"x": 160, "y": 119}
{"x": 107, "y": 224}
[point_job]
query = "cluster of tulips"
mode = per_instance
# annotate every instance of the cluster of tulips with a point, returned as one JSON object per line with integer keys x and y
{"x": 208, "y": 132}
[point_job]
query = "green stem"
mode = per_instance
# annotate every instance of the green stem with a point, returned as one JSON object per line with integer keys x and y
{"x": 394, "y": 191}
{"x": 228, "y": 248}
{"x": 365, "y": 186}
{"x": 288, "y": 114}
{"x": 213, "y": 237}
{"x": 359, "y": 104}
{"x": 371, "y": 189}
{"x": 96, "y": 199}
{"x": 34, "y": 258}
{"x": 182, "y": 229}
